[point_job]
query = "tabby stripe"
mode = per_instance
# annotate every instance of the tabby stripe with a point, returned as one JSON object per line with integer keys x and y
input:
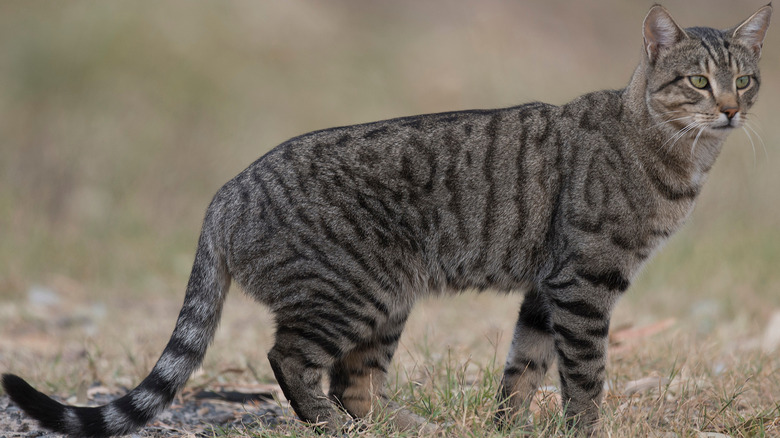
{"x": 358, "y": 299}
{"x": 128, "y": 409}
{"x": 564, "y": 359}
{"x": 488, "y": 223}
{"x": 296, "y": 277}
{"x": 280, "y": 264}
{"x": 346, "y": 275}
{"x": 273, "y": 209}
{"x": 92, "y": 421}
{"x": 280, "y": 181}
{"x": 303, "y": 357}
{"x": 572, "y": 339}
{"x": 612, "y": 280}
{"x": 584, "y": 381}
{"x": 580, "y": 308}
{"x": 389, "y": 339}
{"x": 381, "y": 219}
{"x": 377, "y": 275}
{"x": 375, "y": 364}
{"x": 671, "y": 193}
{"x": 451, "y": 182}
{"x": 347, "y": 332}
{"x": 324, "y": 342}
{"x": 326, "y": 301}
{"x": 519, "y": 201}
{"x": 155, "y": 383}
{"x": 599, "y": 332}
{"x": 626, "y": 243}
{"x": 562, "y": 284}
{"x": 375, "y": 133}
{"x": 535, "y": 313}
{"x": 710, "y": 50}
{"x": 588, "y": 355}
{"x": 522, "y": 365}
{"x": 673, "y": 81}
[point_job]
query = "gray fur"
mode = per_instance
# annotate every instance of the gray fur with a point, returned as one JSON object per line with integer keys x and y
{"x": 340, "y": 231}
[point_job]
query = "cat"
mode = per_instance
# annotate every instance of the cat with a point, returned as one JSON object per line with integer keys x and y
{"x": 340, "y": 231}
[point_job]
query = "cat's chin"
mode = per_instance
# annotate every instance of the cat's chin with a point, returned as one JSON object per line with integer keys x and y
{"x": 725, "y": 128}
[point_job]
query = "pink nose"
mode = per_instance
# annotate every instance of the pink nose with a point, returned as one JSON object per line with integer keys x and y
{"x": 730, "y": 112}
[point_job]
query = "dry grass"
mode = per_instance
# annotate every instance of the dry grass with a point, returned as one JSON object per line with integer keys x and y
{"x": 118, "y": 122}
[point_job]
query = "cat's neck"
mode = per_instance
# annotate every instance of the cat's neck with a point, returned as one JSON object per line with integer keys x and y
{"x": 688, "y": 156}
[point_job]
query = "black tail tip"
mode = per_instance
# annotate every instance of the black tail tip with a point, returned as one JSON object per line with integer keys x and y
{"x": 36, "y": 404}
{"x": 15, "y": 386}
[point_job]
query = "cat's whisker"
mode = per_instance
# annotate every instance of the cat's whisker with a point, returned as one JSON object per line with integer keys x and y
{"x": 753, "y": 146}
{"x": 761, "y": 140}
{"x": 680, "y": 134}
{"x": 669, "y": 121}
{"x": 695, "y": 140}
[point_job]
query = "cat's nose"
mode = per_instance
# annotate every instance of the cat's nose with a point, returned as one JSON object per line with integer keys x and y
{"x": 730, "y": 111}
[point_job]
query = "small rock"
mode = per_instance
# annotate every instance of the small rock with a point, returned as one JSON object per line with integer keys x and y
{"x": 645, "y": 384}
{"x": 42, "y": 296}
{"x": 771, "y": 339}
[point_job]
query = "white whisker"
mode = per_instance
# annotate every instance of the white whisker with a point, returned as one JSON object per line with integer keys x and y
{"x": 669, "y": 121}
{"x": 763, "y": 145}
{"x": 753, "y": 146}
{"x": 693, "y": 147}
{"x": 680, "y": 134}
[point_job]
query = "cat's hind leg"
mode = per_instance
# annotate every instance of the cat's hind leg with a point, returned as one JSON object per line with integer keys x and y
{"x": 357, "y": 382}
{"x": 300, "y": 380}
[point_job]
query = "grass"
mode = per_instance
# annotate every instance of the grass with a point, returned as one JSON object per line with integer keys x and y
{"x": 118, "y": 124}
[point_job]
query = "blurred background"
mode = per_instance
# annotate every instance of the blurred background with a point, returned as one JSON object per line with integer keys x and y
{"x": 119, "y": 120}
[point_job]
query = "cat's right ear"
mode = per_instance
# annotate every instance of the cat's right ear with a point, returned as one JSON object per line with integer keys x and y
{"x": 660, "y": 32}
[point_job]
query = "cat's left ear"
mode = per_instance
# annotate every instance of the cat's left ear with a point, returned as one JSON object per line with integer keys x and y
{"x": 660, "y": 32}
{"x": 752, "y": 31}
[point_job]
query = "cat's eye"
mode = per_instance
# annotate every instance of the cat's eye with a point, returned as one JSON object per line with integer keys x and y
{"x": 699, "y": 81}
{"x": 743, "y": 82}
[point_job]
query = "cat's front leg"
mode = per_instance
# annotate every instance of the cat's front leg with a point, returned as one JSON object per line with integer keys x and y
{"x": 580, "y": 322}
{"x": 530, "y": 355}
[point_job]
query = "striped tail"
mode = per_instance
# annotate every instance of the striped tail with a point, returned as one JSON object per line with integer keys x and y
{"x": 195, "y": 328}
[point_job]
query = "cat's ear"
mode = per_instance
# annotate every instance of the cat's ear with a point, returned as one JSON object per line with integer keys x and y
{"x": 660, "y": 32}
{"x": 752, "y": 31}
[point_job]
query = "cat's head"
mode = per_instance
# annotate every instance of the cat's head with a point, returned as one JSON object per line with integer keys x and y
{"x": 702, "y": 80}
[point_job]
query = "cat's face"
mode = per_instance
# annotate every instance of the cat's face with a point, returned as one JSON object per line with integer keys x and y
{"x": 702, "y": 80}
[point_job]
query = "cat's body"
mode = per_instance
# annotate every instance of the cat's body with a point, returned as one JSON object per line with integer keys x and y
{"x": 340, "y": 231}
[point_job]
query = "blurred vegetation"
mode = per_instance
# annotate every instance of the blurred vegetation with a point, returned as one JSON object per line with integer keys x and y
{"x": 119, "y": 120}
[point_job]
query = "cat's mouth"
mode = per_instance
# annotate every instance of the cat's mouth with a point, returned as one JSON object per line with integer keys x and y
{"x": 724, "y": 127}
{"x": 725, "y": 123}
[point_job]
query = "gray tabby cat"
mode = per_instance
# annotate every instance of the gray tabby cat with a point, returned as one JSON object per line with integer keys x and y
{"x": 340, "y": 231}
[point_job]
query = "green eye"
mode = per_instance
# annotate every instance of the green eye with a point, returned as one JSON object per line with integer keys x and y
{"x": 742, "y": 82}
{"x": 699, "y": 81}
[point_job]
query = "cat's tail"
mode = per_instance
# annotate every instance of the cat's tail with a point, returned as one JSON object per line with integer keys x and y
{"x": 195, "y": 328}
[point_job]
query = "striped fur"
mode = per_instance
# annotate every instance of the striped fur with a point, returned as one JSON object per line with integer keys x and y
{"x": 340, "y": 231}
